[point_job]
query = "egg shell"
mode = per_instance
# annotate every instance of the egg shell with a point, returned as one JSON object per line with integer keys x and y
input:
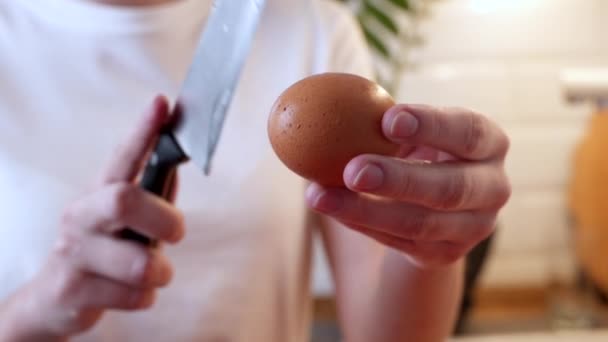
{"x": 322, "y": 122}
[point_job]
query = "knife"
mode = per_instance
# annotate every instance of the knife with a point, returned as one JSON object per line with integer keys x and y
{"x": 204, "y": 99}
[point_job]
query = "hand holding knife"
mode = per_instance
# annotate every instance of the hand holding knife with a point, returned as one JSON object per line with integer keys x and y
{"x": 204, "y": 99}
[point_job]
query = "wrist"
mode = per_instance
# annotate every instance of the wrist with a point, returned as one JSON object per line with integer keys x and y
{"x": 20, "y": 321}
{"x": 399, "y": 259}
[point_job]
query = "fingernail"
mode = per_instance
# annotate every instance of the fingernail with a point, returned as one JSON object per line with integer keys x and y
{"x": 403, "y": 125}
{"x": 138, "y": 269}
{"x": 178, "y": 232}
{"x": 164, "y": 275}
{"x": 159, "y": 100}
{"x": 152, "y": 107}
{"x": 67, "y": 246}
{"x": 370, "y": 177}
{"x": 322, "y": 200}
{"x": 158, "y": 105}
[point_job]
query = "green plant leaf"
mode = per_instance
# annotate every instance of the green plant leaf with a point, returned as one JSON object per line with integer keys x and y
{"x": 405, "y": 4}
{"x": 375, "y": 42}
{"x": 381, "y": 17}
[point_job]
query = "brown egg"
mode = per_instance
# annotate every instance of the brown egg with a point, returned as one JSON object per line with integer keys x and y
{"x": 321, "y": 122}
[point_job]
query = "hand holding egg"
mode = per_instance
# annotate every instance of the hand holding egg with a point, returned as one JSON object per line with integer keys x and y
{"x": 426, "y": 181}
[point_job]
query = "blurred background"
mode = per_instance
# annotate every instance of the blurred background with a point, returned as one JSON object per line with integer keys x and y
{"x": 536, "y": 67}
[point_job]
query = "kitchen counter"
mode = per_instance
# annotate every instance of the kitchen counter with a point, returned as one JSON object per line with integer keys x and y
{"x": 585, "y": 336}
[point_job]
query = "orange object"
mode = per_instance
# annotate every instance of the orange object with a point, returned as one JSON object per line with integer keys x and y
{"x": 588, "y": 199}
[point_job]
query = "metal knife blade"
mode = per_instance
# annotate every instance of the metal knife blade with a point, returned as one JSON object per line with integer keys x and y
{"x": 208, "y": 89}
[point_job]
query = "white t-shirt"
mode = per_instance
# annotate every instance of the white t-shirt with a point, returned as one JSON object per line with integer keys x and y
{"x": 75, "y": 75}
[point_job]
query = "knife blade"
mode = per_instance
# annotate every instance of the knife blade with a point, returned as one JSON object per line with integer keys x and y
{"x": 204, "y": 98}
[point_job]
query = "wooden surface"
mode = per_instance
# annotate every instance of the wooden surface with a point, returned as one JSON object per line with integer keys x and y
{"x": 584, "y": 336}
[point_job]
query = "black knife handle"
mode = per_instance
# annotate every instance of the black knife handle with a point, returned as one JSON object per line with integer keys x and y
{"x": 159, "y": 177}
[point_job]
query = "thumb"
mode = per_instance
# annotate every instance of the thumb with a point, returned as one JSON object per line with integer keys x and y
{"x": 131, "y": 156}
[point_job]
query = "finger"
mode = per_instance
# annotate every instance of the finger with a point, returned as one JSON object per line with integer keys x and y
{"x": 399, "y": 220}
{"x": 130, "y": 157}
{"x": 120, "y": 261}
{"x": 84, "y": 291}
{"x": 126, "y": 205}
{"x": 424, "y": 153}
{"x": 442, "y": 186}
{"x": 461, "y": 132}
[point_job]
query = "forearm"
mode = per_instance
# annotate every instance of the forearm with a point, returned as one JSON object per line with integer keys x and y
{"x": 412, "y": 304}
{"x": 11, "y": 325}
{"x": 382, "y": 296}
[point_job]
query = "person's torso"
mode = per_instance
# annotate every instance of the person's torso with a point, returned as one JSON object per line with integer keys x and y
{"x": 68, "y": 97}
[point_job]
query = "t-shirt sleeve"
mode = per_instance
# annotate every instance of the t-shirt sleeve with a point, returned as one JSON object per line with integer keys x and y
{"x": 345, "y": 47}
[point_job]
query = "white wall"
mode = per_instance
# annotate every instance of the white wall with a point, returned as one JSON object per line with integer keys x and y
{"x": 503, "y": 58}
